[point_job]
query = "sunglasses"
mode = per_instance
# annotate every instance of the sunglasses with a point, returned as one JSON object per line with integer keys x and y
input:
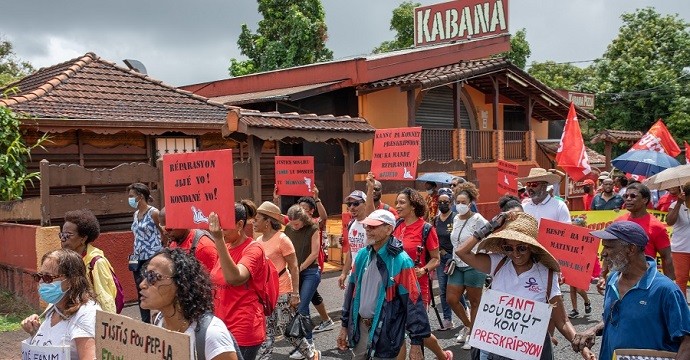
{"x": 533, "y": 183}
{"x": 46, "y": 278}
{"x": 354, "y": 203}
{"x": 629, "y": 196}
{"x": 520, "y": 248}
{"x": 377, "y": 189}
{"x": 65, "y": 235}
{"x": 153, "y": 277}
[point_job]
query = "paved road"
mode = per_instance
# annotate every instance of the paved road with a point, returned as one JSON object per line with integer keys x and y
{"x": 325, "y": 341}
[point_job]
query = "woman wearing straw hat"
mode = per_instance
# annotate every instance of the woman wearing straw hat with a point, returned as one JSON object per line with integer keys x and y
{"x": 515, "y": 258}
{"x": 280, "y": 250}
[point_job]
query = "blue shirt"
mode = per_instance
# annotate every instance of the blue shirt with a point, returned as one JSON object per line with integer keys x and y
{"x": 147, "y": 238}
{"x": 653, "y": 314}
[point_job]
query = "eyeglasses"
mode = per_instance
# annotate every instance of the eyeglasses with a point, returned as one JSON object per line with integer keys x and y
{"x": 533, "y": 183}
{"x": 371, "y": 227}
{"x": 377, "y": 189}
{"x": 629, "y": 196}
{"x": 613, "y": 319}
{"x": 354, "y": 203}
{"x": 453, "y": 185}
{"x": 65, "y": 235}
{"x": 47, "y": 278}
{"x": 520, "y": 248}
{"x": 153, "y": 277}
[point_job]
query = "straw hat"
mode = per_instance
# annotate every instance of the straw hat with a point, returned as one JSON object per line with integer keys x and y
{"x": 271, "y": 210}
{"x": 539, "y": 174}
{"x": 524, "y": 230}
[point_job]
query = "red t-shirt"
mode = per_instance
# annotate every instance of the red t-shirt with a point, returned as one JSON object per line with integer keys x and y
{"x": 587, "y": 200}
{"x": 655, "y": 229}
{"x": 238, "y": 306}
{"x": 411, "y": 236}
{"x": 206, "y": 251}
{"x": 666, "y": 201}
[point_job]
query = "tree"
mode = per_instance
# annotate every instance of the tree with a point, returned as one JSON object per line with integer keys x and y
{"x": 519, "y": 49}
{"x": 562, "y": 76}
{"x": 640, "y": 77}
{"x": 402, "y": 23}
{"x": 292, "y": 33}
{"x": 11, "y": 68}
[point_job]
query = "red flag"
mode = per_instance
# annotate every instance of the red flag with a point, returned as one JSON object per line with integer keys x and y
{"x": 572, "y": 154}
{"x": 687, "y": 152}
{"x": 658, "y": 138}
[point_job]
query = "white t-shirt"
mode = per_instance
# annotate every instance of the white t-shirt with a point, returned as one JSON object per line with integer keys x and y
{"x": 80, "y": 325}
{"x": 551, "y": 208}
{"x": 457, "y": 238}
{"x": 680, "y": 240}
{"x": 218, "y": 338}
{"x": 531, "y": 284}
{"x": 357, "y": 237}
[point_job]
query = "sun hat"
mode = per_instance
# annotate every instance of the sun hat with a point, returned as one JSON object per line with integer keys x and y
{"x": 604, "y": 175}
{"x": 379, "y": 217}
{"x": 271, "y": 210}
{"x": 523, "y": 229}
{"x": 627, "y": 231}
{"x": 540, "y": 174}
{"x": 358, "y": 195}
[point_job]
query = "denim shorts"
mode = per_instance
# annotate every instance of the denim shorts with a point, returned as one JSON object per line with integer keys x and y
{"x": 467, "y": 276}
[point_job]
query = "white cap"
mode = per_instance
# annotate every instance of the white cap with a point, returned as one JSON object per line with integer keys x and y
{"x": 379, "y": 217}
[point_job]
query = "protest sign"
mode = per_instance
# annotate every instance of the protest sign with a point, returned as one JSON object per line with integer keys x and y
{"x": 197, "y": 184}
{"x": 295, "y": 175}
{"x": 507, "y": 178}
{"x": 573, "y": 247}
{"x": 32, "y": 352}
{"x": 640, "y": 354}
{"x": 122, "y": 338}
{"x": 396, "y": 153}
{"x": 510, "y": 326}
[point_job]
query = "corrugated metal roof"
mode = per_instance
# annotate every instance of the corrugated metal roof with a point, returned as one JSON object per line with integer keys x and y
{"x": 290, "y": 93}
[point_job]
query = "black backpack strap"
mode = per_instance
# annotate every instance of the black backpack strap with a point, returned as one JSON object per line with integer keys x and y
{"x": 426, "y": 230}
{"x": 499, "y": 266}
{"x": 386, "y": 207}
{"x": 200, "y": 335}
{"x": 549, "y": 285}
{"x": 198, "y": 234}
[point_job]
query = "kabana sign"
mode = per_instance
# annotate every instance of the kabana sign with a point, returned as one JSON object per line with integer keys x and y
{"x": 583, "y": 100}
{"x": 459, "y": 20}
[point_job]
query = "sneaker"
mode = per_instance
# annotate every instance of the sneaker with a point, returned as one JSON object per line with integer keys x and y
{"x": 464, "y": 334}
{"x": 466, "y": 346}
{"x": 588, "y": 308}
{"x": 449, "y": 354}
{"x": 446, "y": 325}
{"x": 324, "y": 326}
{"x": 573, "y": 314}
{"x": 296, "y": 355}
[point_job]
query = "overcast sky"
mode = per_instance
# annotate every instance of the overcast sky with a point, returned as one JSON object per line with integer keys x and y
{"x": 186, "y": 42}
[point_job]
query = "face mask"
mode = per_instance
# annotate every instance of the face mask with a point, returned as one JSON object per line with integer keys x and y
{"x": 462, "y": 209}
{"x": 430, "y": 192}
{"x": 51, "y": 293}
{"x": 133, "y": 202}
{"x": 587, "y": 189}
{"x": 444, "y": 208}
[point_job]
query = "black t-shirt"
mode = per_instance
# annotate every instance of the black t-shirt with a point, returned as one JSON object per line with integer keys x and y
{"x": 443, "y": 230}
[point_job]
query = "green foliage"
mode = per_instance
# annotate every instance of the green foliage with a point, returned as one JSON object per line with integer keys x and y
{"x": 562, "y": 76}
{"x": 519, "y": 49}
{"x": 12, "y": 311}
{"x": 402, "y": 23}
{"x": 640, "y": 77}
{"x": 292, "y": 33}
{"x": 14, "y": 154}
{"x": 11, "y": 68}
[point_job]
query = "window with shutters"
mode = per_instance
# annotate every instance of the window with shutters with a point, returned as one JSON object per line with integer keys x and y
{"x": 435, "y": 115}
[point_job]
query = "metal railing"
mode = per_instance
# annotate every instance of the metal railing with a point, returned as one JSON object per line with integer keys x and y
{"x": 480, "y": 145}
{"x": 515, "y": 145}
{"x": 437, "y": 144}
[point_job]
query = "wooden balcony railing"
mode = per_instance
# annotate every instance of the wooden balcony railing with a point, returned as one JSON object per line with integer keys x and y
{"x": 480, "y": 145}
{"x": 515, "y": 145}
{"x": 437, "y": 144}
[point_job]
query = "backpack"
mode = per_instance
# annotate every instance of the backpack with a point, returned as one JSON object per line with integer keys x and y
{"x": 200, "y": 337}
{"x": 268, "y": 293}
{"x": 425, "y": 235}
{"x": 119, "y": 294}
{"x": 198, "y": 234}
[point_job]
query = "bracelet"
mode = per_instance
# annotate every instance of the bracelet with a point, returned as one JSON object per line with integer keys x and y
{"x": 317, "y": 200}
{"x": 294, "y": 295}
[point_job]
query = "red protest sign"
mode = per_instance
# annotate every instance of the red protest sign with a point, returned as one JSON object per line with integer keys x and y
{"x": 574, "y": 248}
{"x": 507, "y": 178}
{"x": 396, "y": 153}
{"x": 195, "y": 185}
{"x": 295, "y": 175}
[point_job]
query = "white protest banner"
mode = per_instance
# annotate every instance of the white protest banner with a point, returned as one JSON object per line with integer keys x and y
{"x": 640, "y": 354}
{"x": 31, "y": 352}
{"x": 121, "y": 338}
{"x": 510, "y": 326}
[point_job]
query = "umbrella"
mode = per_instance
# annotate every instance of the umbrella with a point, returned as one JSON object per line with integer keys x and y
{"x": 437, "y": 177}
{"x": 644, "y": 162}
{"x": 673, "y": 177}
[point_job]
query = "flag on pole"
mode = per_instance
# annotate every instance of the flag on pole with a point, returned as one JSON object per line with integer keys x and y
{"x": 687, "y": 152}
{"x": 658, "y": 138}
{"x": 572, "y": 154}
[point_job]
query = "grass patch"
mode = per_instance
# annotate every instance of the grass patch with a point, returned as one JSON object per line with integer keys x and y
{"x": 12, "y": 312}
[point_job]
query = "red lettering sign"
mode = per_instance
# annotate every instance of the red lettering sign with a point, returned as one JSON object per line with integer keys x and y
{"x": 396, "y": 153}
{"x": 295, "y": 175}
{"x": 196, "y": 184}
{"x": 459, "y": 20}
{"x": 507, "y": 178}
{"x": 574, "y": 248}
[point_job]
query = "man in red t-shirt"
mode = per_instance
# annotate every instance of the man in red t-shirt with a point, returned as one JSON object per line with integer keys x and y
{"x": 668, "y": 198}
{"x": 587, "y": 198}
{"x": 205, "y": 251}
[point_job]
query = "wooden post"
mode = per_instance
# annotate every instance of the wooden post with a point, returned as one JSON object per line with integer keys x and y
{"x": 495, "y": 102}
{"x": 532, "y": 146}
{"x": 45, "y": 192}
{"x": 348, "y": 166}
{"x": 411, "y": 105}
{"x": 160, "y": 184}
{"x": 500, "y": 144}
{"x": 255, "y": 147}
{"x": 462, "y": 144}
{"x": 607, "y": 152}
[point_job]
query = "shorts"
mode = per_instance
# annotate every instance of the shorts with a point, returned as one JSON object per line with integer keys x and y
{"x": 467, "y": 276}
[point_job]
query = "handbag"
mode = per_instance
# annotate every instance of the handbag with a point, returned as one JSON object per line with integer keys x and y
{"x": 450, "y": 267}
{"x": 298, "y": 326}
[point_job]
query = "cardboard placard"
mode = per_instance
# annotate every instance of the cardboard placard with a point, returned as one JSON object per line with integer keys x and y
{"x": 640, "y": 354}
{"x": 396, "y": 153}
{"x": 511, "y": 326}
{"x": 295, "y": 175}
{"x": 197, "y": 184}
{"x": 31, "y": 352}
{"x": 119, "y": 337}
{"x": 507, "y": 178}
{"x": 573, "y": 247}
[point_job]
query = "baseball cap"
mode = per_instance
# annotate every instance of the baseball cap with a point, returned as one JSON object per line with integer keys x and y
{"x": 627, "y": 231}
{"x": 589, "y": 182}
{"x": 379, "y": 217}
{"x": 358, "y": 195}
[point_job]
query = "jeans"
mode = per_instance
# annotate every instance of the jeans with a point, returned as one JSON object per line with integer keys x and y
{"x": 145, "y": 314}
{"x": 442, "y": 284}
{"x": 249, "y": 352}
{"x": 309, "y": 280}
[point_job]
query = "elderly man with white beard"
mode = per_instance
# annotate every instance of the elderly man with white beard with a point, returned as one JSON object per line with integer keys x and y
{"x": 643, "y": 309}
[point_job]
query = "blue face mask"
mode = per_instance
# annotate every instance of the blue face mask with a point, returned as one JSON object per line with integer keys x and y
{"x": 133, "y": 202}
{"x": 51, "y": 293}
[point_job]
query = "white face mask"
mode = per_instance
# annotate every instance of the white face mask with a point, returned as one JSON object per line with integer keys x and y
{"x": 430, "y": 192}
{"x": 462, "y": 209}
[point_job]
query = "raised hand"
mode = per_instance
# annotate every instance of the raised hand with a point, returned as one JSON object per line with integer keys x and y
{"x": 214, "y": 227}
